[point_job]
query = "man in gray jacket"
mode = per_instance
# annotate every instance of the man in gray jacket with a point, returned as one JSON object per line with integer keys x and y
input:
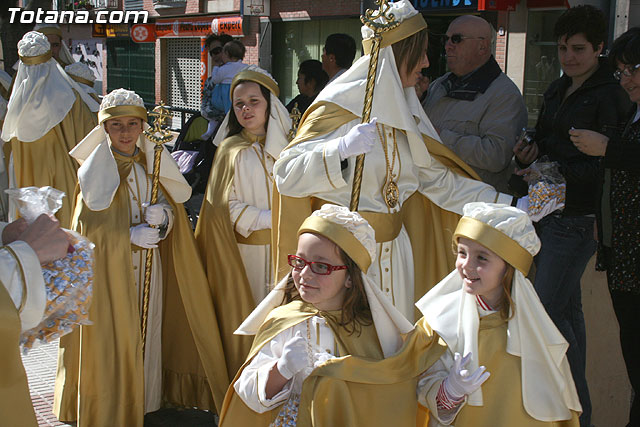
{"x": 477, "y": 110}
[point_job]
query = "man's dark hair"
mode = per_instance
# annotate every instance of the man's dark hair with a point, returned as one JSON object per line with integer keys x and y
{"x": 584, "y": 19}
{"x": 626, "y": 48}
{"x": 311, "y": 69}
{"x": 222, "y": 38}
{"x": 343, "y": 47}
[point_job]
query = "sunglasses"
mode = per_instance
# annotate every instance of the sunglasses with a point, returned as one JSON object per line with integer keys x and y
{"x": 627, "y": 71}
{"x": 321, "y": 268}
{"x": 458, "y": 38}
{"x": 215, "y": 50}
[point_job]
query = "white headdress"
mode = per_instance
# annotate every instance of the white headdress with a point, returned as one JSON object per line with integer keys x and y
{"x": 356, "y": 237}
{"x": 279, "y": 121}
{"x": 82, "y": 75}
{"x": 43, "y": 93}
{"x": 65, "y": 55}
{"x": 393, "y": 105}
{"x": 98, "y": 173}
{"x": 548, "y": 391}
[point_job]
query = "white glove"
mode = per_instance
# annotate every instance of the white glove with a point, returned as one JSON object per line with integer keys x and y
{"x": 144, "y": 236}
{"x": 294, "y": 356}
{"x": 264, "y": 220}
{"x": 552, "y": 206}
{"x": 359, "y": 140}
{"x": 321, "y": 358}
{"x": 154, "y": 214}
{"x": 523, "y": 203}
{"x": 460, "y": 383}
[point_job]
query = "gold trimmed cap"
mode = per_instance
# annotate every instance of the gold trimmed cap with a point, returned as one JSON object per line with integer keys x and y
{"x": 348, "y": 230}
{"x": 257, "y": 75}
{"x": 411, "y": 22}
{"x": 121, "y": 103}
{"x": 502, "y": 229}
{"x": 35, "y": 60}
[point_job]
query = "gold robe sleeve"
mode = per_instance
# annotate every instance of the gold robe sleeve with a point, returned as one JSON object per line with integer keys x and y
{"x": 15, "y": 403}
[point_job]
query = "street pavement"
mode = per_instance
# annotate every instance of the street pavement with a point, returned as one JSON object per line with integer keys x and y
{"x": 40, "y": 365}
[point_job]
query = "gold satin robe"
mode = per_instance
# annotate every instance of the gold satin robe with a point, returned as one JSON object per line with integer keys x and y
{"x": 108, "y": 373}
{"x": 46, "y": 161}
{"x": 358, "y": 390}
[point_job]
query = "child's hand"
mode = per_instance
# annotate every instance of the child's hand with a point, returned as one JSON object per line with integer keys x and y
{"x": 321, "y": 358}
{"x": 294, "y": 356}
{"x": 154, "y": 214}
{"x": 460, "y": 382}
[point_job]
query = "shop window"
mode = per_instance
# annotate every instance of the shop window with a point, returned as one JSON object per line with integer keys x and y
{"x": 297, "y": 41}
{"x": 541, "y": 59}
{"x": 131, "y": 66}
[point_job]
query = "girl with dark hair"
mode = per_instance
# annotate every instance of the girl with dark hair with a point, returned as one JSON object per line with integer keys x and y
{"x": 585, "y": 97}
{"x": 488, "y": 310}
{"x": 619, "y": 207}
{"x": 313, "y": 332}
{"x": 234, "y": 228}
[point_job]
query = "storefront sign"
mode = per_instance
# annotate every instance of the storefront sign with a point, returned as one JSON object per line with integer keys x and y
{"x": 199, "y": 26}
{"x": 109, "y": 30}
{"x": 444, "y": 5}
{"x": 257, "y": 7}
{"x": 143, "y": 33}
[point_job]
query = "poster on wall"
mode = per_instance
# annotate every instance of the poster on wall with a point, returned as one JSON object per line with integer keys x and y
{"x": 90, "y": 52}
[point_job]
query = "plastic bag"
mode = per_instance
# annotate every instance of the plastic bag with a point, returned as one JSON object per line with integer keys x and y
{"x": 546, "y": 185}
{"x": 68, "y": 281}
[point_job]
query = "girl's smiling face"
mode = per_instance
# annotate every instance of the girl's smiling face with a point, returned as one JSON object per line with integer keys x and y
{"x": 325, "y": 292}
{"x": 124, "y": 132}
{"x": 481, "y": 271}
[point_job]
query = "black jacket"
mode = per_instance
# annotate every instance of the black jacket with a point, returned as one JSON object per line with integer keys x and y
{"x": 619, "y": 214}
{"x": 601, "y": 105}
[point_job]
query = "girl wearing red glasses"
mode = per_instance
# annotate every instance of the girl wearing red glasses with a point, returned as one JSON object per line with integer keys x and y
{"x": 313, "y": 331}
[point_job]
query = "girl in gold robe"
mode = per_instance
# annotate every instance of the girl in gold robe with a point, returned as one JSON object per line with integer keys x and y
{"x": 234, "y": 228}
{"x": 113, "y": 380}
{"x": 321, "y": 336}
{"x": 488, "y": 308}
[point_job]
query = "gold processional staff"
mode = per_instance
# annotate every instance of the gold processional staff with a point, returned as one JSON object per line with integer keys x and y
{"x": 388, "y": 23}
{"x": 159, "y": 135}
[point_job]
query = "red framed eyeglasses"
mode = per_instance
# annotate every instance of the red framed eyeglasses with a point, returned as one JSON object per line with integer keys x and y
{"x": 317, "y": 267}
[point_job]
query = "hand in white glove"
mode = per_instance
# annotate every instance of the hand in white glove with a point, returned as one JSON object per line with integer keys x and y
{"x": 359, "y": 140}
{"x": 321, "y": 358}
{"x": 144, "y": 236}
{"x": 551, "y": 206}
{"x": 523, "y": 203}
{"x": 264, "y": 220}
{"x": 294, "y": 356}
{"x": 154, "y": 214}
{"x": 460, "y": 382}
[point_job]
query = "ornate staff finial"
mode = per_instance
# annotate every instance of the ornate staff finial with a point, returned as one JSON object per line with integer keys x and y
{"x": 158, "y": 133}
{"x": 383, "y": 12}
